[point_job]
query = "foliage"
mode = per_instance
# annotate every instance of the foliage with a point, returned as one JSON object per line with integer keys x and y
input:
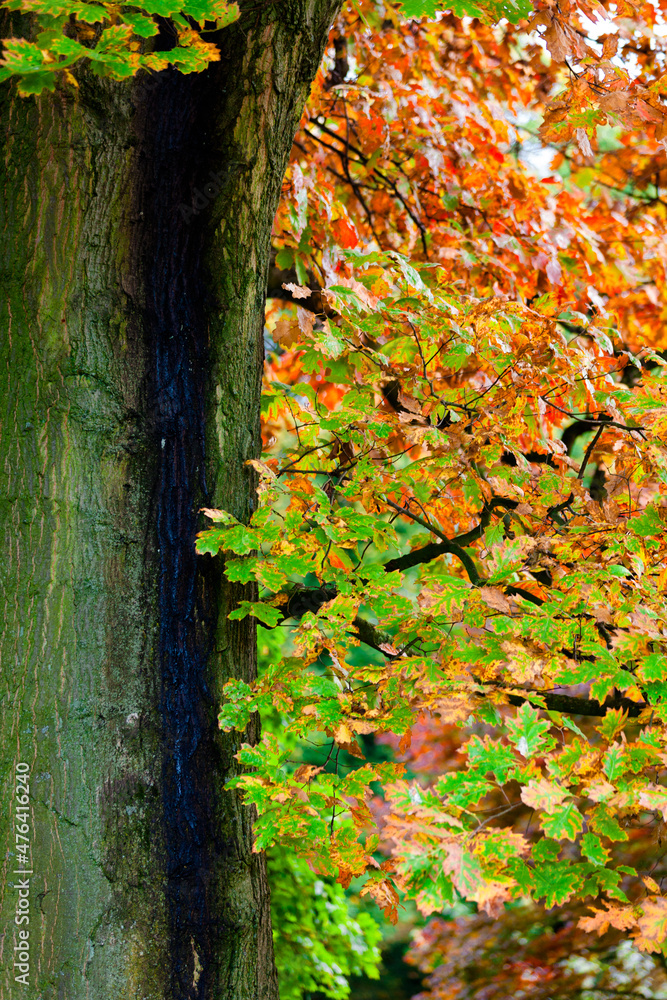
{"x": 461, "y": 508}
{"x": 524, "y": 951}
{"x": 531, "y": 586}
{"x": 318, "y": 942}
{"x": 115, "y": 40}
{"x": 118, "y": 40}
{"x": 319, "y": 938}
{"x": 544, "y": 956}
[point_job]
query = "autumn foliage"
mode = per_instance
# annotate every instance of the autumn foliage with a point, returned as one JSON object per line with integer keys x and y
{"x": 462, "y": 506}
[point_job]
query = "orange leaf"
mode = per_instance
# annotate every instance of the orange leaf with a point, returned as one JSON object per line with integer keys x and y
{"x": 344, "y": 234}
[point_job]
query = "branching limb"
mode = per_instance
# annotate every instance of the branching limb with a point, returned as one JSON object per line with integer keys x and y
{"x": 580, "y": 706}
{"x": 447, "y": 546}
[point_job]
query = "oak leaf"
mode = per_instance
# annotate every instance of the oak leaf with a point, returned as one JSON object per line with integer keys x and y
{"x": 620, "y": 917}
{"x": 652, "y": 925}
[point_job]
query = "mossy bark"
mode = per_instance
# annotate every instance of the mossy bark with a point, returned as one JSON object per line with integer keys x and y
{"x": 135, "y": 222}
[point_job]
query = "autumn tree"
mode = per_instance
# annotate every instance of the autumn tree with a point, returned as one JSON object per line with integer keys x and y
{"x": 143, "y": 153}
{"x": 461, "y": 517}
{"x": 460, "y": 511}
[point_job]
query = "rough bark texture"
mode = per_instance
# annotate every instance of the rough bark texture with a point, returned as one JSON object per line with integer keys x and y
{"x": 131, "y": 312}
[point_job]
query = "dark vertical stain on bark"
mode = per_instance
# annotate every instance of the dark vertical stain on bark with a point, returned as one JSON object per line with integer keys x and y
{"x": 176, "y": 328}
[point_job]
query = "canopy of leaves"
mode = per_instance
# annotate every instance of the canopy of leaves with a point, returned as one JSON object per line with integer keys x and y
{"x": 462, "y": 504}
{"x": 118, "y": 40}
{"x": 115, "y": 40}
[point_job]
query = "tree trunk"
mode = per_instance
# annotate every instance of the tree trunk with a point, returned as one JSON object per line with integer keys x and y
{"x": 135, "y": 222}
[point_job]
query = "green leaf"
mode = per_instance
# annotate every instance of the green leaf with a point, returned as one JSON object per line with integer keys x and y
{"x": 140, "y": 24}
{"x": 556, "y": 882}
{"x": 35, "y": 83}
{"x": 654, "y": 667}
{"x": 614, "y": 761}
{"x": 241, "y": 570}
{"x": 527, "y": 731}
{"x": 648, "y": 523}
{"x": 547, "y": 849}
{"x": 487, "y": 11}
{"x": 564, "y": 722}
{"x": 462, "y": 788}
{"x": 285, "y": 259}
{"x": 494, "y": 535}
{"x": 212, "y": 10}
{"x": 564, "y": 823}
{"x": 591, "y": 848}
{"x": 210, "y": 542}
{"x": 420, "y": 8}
{"x": 265, "y": 613}
{"x": 613, "y": 723}
{"x": 490, "y": 756}
{"x": 608, "y": 879}
{"x": 241, "y": 539}
{"x": 601, "y": 821}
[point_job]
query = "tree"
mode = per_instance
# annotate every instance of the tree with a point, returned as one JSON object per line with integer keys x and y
{"x": 134, "y": 318}
{"x": 462, "y": 504}
{"x": 136, "y": 217}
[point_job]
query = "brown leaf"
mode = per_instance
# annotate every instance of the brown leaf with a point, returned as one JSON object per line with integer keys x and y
{"x": 385, "y": 895}
{"x": 456, "y": 707}
{"x": 492, "y": 897}
{"x": 602, "y": 614}
{"x": 286, "y": 333}
{"x": 298, "y": 291}
{"x": 557, "y": 41}
{"x": 494, "y": 598}
{"x": 616, "y": 101}
{"x": 542, "y": 794}
{"x": 408, "y": 403}
{"x": 651, "y": 884}
{"x": 583, "y": 142}
{"x": 648, "y": 113}
{"x": 364, "y": 726}
{"x": 352, "y": 748}
{"x": 306, "y": 319}
{"x": 342, "y": 734}
{"x": 654, "y": 797}
{"x": 306, "y": 772}
{"x": 387, "y": 647}
{"x": 609, "y": 46}
{"x": 215, "y": 515}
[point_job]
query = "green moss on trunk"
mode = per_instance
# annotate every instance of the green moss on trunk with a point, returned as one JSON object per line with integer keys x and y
{"x": 131, "y": 322}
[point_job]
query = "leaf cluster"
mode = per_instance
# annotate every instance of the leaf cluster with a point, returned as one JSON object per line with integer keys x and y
{"x": 435, "y": 518}
{"x": 115, "y": 40}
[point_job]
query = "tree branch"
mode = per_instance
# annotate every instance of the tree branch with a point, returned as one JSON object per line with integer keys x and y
{"x": 581, "y": 706}
{"x": 446, "y": 546}
{"x": 453, "y": 546}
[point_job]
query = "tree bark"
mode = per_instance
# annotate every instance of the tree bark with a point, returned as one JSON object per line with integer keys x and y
{"x": 135, "y": 221}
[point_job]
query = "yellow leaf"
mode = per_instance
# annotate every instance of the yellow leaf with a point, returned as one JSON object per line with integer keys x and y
{"x": 620, "y": 917}
{"x": 654, "y": 797}
{"x": 342, "y": 733}
{"x": 652, "y": 925}
{"x": 651, "y": 884}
